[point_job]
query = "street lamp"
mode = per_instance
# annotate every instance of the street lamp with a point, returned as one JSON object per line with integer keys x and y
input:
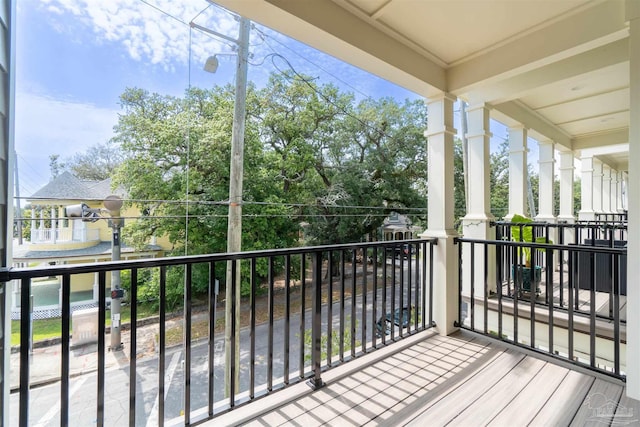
{"x": 236, "y": 172}
{"x": 112, "y": 206}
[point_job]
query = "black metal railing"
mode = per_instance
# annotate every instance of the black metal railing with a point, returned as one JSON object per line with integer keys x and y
{"x": 324, "y": 306}
{"x": 612, "y": 217}
{"x": 570, "y": 299}
{"x": 567, "y": 233}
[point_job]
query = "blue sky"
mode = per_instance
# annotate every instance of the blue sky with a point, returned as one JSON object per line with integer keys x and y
{"x": 75, "y": 57}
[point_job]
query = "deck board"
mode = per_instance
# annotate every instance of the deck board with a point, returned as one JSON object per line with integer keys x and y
{"x": 526, "y": 404}
{"x": 599, "y": 405}
{"x": 500, "y": 394}
{"x": 459, "y": 380}
{"x": 563, "y": 403}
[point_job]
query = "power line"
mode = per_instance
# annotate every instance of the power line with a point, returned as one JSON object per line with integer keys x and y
{"x": 209, "y": 216}
{"x": 265, "y": 36}
{"x": 164, "y": 12}
{"x": 226, "y": 203}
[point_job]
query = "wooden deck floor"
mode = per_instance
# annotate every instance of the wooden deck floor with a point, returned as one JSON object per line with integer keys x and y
{"x": 460, "y": 380}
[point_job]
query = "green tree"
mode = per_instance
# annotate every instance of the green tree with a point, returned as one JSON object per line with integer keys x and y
{"x": 96, "y": 164}
{"x": 378, "y": 159}
{"x": 176, "y": 166}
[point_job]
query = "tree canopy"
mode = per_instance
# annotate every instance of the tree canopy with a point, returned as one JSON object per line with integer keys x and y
{"x": 313, "y": 155}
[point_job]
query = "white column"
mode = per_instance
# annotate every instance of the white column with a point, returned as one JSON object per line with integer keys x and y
{"x": 566, "y": 212}
{"x": 517, "y": 171}
{"x": 33, "y": 223}
{"x": 440, "y": 133}
{"x": 546, "y": 173}
{"x": 54, "y": 224}
{"x": 633, "y": 246}
{"x": 606, "y": 189}
{"x": 546, "y": 176}
{"x": 618, "y": 206}
{"x": 614, "y": 190}
{"x": 566, "y": 168}
{"x": 42, "y": 221}
{"x": 586, "y": 192}
{"x": 597, "y": 186}
{"x": 625, "y": 191}
{"x": 96, "y": 285}
{"x": 476, "y": 223}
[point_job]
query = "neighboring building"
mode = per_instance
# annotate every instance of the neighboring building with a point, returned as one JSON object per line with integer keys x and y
{"x": 57, "y": 239}
{"x": 399, "y": 227}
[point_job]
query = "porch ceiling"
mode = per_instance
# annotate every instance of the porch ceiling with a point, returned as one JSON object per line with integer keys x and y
{"x": 558, "y": 67}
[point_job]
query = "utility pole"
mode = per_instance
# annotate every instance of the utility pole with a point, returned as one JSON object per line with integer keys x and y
{"x": 234, "y": 226}
{"x": 113, "y": 205}
{"x": 236, "y": 173}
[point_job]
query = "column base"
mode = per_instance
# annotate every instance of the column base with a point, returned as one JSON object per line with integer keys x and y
{"x": 545, "y": 218}
{"x": 446, "y": 296}
{"x": 586, "y": 216}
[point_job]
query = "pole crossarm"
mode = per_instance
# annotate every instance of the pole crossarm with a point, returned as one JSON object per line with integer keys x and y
{"x": 215, "y": 33}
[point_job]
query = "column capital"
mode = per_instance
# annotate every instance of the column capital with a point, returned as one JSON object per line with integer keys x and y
{"x": 441, "y": 96}
{"x": 518, "y": 127}
{"x": 447, "y": 130}
{"x": 470, "y": 135}
{"x": 546, "y": 162}
{"x": 479, "y": 106}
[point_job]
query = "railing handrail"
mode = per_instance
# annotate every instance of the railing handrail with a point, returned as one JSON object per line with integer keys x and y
{"x": 569, "y": 246}
{"x": 12, "y": 273}
{"x": 577, "y": 224}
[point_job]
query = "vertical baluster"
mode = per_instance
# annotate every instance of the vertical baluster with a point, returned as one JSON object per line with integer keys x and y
{"x": 102, "y": 311}
{"x": 133, "y": 299}
{"x": 25, "y": 349}
{"x": 65, "y": 358}
{"x": 162, "y": 337}
{"x": 287, "y": 314}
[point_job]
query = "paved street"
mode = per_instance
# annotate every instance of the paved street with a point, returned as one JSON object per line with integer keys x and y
{"x": 44, "y": 400}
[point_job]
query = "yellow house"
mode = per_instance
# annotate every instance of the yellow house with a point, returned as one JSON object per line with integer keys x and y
{"x": 58, "y": 238}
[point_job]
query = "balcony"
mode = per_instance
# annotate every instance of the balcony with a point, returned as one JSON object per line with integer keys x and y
{"x": 311, "y": 350}
{"x": 62, "y": 236}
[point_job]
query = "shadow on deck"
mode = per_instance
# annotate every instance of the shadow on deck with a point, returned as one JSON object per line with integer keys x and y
{"x": 463, "y": 379}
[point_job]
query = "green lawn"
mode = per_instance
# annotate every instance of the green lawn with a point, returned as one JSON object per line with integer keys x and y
{"x": 52, "y": 328}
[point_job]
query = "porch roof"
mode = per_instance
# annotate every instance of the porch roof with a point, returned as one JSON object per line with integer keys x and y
{"x": 561, "y": 69}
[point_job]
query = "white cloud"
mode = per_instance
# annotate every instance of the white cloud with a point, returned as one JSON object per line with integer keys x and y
{"x": 156, "y": 31}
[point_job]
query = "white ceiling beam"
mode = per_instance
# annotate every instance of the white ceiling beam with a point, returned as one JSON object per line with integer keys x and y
{"x": 513, "y": 112}
{"x": 578, "y": 33}
{"x": 616, "y": 141}
{"x": 328, "y": 27}
{"x": 583, "y": 63}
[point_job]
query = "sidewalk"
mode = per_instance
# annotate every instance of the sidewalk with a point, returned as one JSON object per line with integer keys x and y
{"x": 46, "y": 361}
{"x": 45, "y": 367}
